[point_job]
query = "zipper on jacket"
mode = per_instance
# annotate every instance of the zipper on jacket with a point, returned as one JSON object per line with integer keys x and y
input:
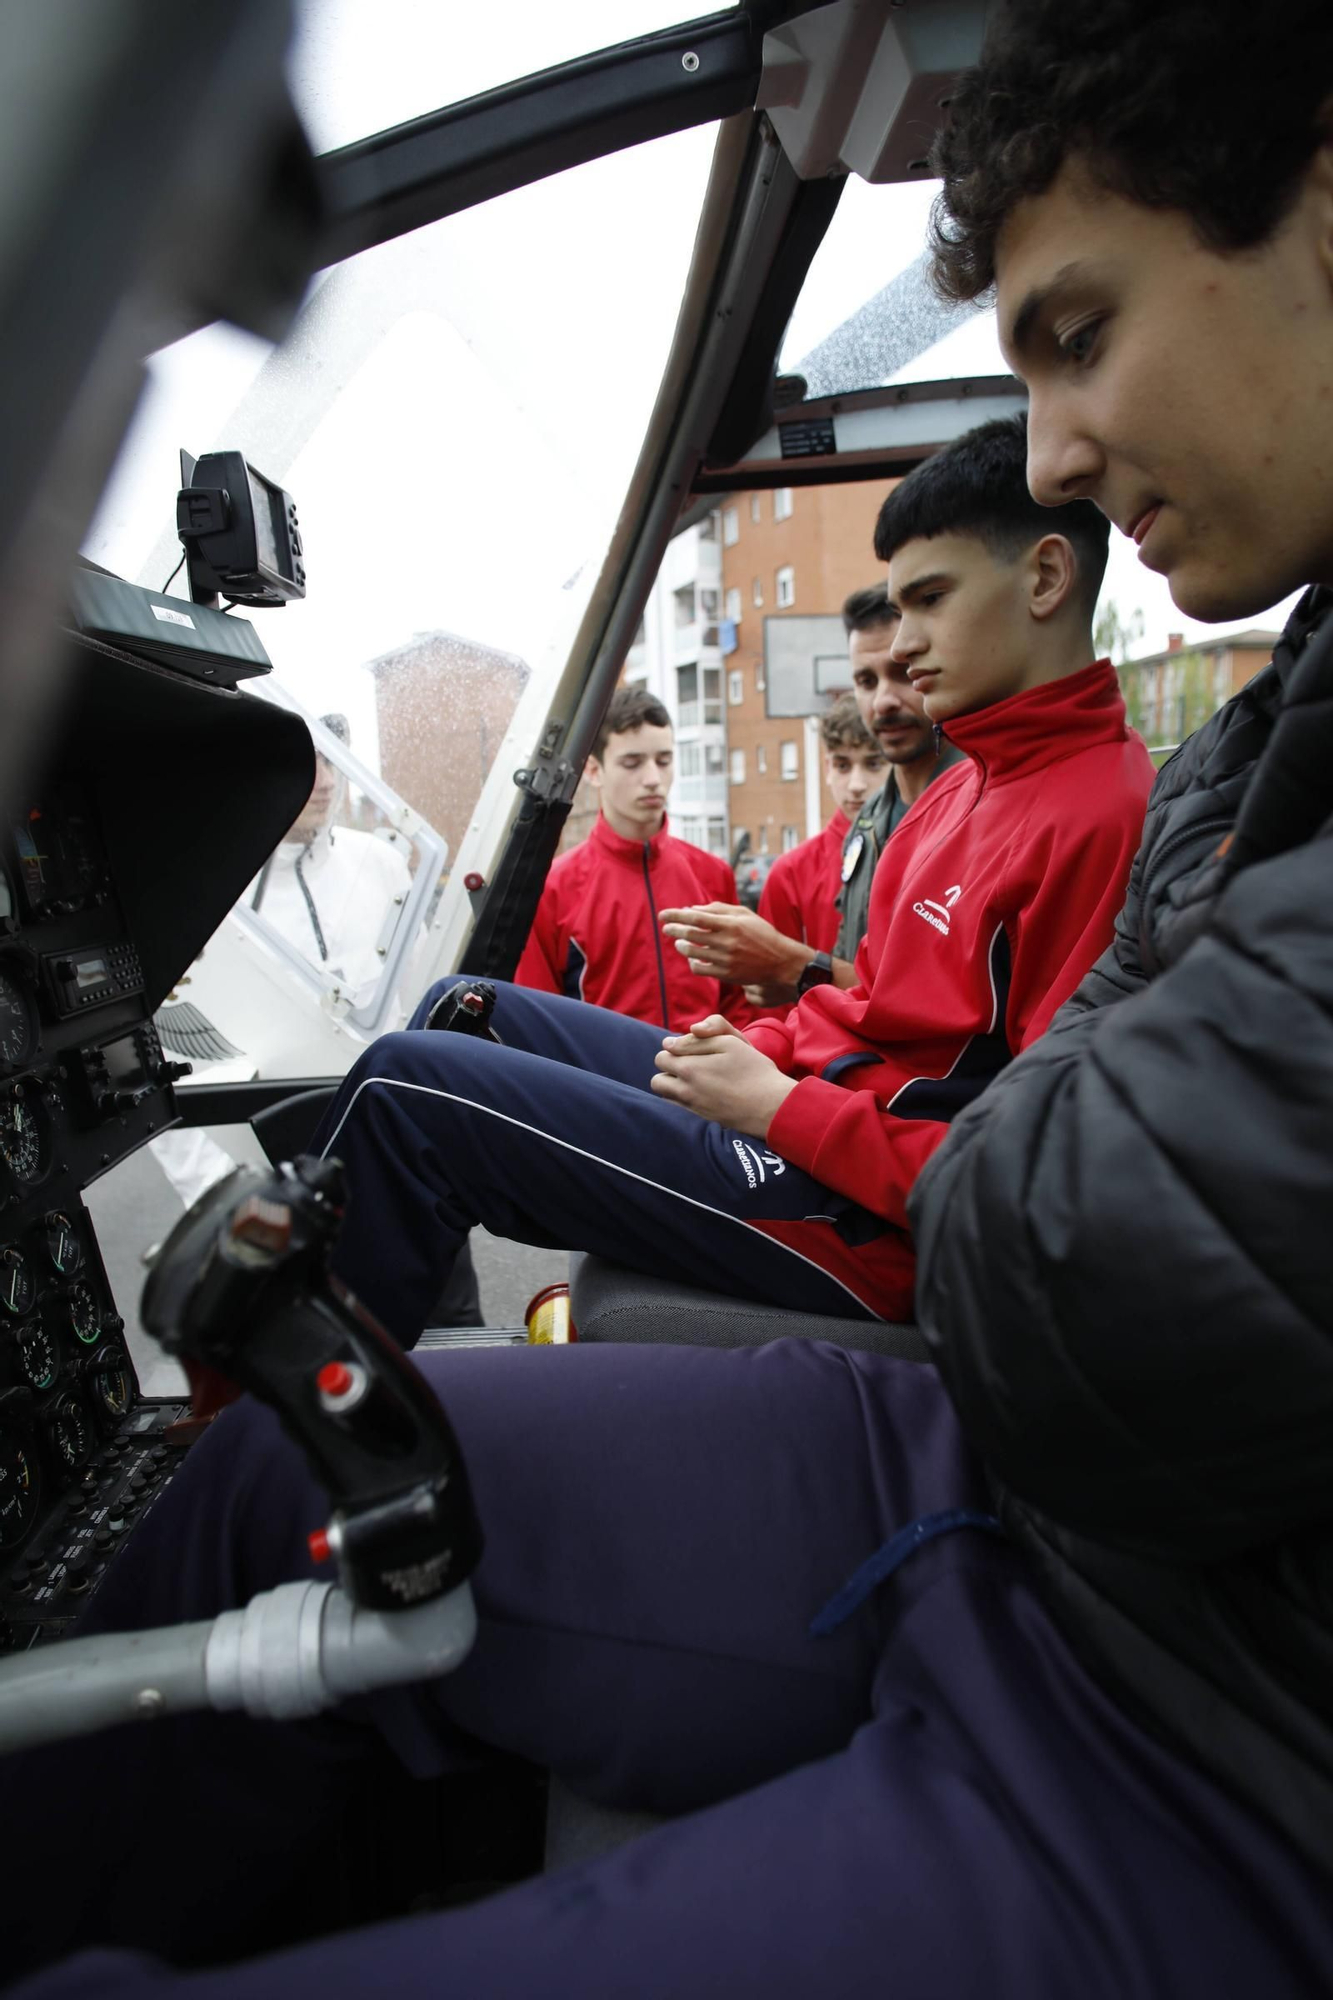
{"x": 657, "y": 941}
{"x": 1182, "y": 837}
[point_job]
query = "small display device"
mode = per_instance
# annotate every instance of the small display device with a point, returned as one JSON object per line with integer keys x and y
{"x": 240, "y": 531}
{"x": 90, "y": 976}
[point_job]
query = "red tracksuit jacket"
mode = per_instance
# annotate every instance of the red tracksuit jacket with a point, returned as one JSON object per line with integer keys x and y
{"x": 798, "y": 897}
{"x": 989, "y": 904}
{"x": 596, "y": 934}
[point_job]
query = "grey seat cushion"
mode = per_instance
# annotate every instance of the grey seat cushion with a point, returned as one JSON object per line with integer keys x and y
{"x": 611, "y": 1304}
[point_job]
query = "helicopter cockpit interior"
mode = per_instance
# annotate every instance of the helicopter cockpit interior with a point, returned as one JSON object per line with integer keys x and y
{"x": 466, "y": 325}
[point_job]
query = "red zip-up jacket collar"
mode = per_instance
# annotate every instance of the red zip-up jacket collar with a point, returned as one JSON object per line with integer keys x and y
{"x": 630, "y": 851}
{"x": 1032, "y": 731}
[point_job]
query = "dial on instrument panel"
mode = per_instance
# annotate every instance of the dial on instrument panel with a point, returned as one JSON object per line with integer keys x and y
{"x": 71, "y": 1433}
{"x": 18, "y": 1287}
{"x": 38, "y": 1355}
{"x": 84, "y": 1318}
{"x": 111, "y": 1382}
{"x": 20, "y": 1487}
{"x": 18, "y": 1020}
{"x": 61, "y": 1241}
{"x": 21, "y": 1133}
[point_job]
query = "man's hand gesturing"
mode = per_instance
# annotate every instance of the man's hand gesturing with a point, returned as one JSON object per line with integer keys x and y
{"x": 714, "y": 1072}
{"x": 723, "y": 941}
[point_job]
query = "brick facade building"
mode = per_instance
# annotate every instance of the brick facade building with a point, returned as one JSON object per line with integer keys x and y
{"x": 787, "y": 552}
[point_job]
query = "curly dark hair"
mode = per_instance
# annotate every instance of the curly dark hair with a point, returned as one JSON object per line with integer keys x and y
{"x": 1211, "y": 107}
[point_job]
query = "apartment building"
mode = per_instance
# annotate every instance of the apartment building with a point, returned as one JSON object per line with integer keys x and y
{"x": 1169, "y": 694}
{"x": 787, "y": 554}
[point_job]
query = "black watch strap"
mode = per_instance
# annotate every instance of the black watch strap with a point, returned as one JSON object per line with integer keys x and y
{"x": 819, "y": 972}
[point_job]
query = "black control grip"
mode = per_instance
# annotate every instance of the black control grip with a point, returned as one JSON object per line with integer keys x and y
{"x": 242, "y": 1287}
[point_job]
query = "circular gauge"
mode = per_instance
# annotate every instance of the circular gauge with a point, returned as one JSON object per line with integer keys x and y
{"x": 21, "y": 1144}
{"x": 38, "y": 1356}
{"x": 71, "y": 1433}
{"x": 20, "y": 1488}
{"x": 84, "y": 1318}
{"x": 18, "y": 1023}
{"x": 61, "y": 1241}
{"x": 112, "y": 1383}
{"x": 18, "y": 1287}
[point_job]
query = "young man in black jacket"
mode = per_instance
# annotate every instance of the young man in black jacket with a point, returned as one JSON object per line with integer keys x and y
{"x": 1084, "y": 1749}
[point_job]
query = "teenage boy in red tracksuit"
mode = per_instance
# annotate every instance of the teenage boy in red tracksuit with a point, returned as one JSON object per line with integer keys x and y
{"x": 777, "y": 1167}
{"x": 801, "y": 894}
{"x": 597, "y": 935}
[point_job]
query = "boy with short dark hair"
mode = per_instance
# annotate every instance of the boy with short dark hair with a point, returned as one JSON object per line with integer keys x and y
{"x": 595, "y": 936}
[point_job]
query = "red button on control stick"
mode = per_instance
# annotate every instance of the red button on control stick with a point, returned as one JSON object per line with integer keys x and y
{"x": 318, "y": 1544}
{"x": 335, "y": 1378}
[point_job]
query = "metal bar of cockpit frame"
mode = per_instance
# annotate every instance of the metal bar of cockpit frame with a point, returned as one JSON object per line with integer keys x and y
{"x": 469, "y": 152}
{"x": 751, "y": 196}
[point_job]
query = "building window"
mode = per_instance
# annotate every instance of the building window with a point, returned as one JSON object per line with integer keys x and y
{"x": 684, "y": 602}
{"x": 790, "y": 837}
{"x": 689, "y": 760}
{"x": 735, "y": 687}
{"x": 791, "y": 759}
{"x": 740, "y": 839}
{"x": 708, "y": 604}
{"x": 715, "y": 759}
{"x": 737, "y": 772}
{"x": 731, "y": 527}
{"x": 761, "y": 757}
{"x": 757, "y": 591}
{"x": 782, "y": 503}
{"x": 786, "y": 583}
{"x": 763, "y": 840}
{"x": 687, "y": 697}
{"x": 708, "y": 527}
{"x": 734, "y": 605}
{"x": 759, "y": 682}
{"x": 754, "y": 506}
{"x": 712, "y": 694}
{"x": 717, "y": 836}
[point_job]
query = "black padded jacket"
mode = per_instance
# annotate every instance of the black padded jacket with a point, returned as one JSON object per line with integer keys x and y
{"x": 1126, "y": 1263}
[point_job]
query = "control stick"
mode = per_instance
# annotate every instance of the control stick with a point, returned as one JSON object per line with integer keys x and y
{"x": 243, "y": 1294}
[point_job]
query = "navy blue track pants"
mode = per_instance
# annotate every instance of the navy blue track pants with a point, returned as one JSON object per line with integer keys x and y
{"x": 932, "y": 1802}
{"x": 556, "y": 1138}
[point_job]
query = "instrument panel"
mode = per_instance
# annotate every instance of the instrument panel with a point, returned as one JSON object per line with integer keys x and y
{"x": 83, "y": 1082}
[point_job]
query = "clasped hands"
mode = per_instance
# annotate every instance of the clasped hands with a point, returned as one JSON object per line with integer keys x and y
{"x": 716, "y": 1073}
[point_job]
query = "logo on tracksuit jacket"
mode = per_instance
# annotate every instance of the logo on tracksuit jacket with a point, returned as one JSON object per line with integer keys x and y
{"x": 938, "y": 913}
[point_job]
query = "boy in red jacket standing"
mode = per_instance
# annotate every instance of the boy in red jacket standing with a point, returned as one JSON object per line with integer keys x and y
{"x": 801, "y": 894}
{"x": 596, "y": 935}
{"x": 778, "y": 1166}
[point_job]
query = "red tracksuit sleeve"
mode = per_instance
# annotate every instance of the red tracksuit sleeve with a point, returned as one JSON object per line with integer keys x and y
{"x": 779, "y": 905}
{"x": 1058, "y": 908}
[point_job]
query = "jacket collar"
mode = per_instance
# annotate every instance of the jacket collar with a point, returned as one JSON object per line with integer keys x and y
{"x": 613, "y": 843}
{"x": 1015, "y": 737}
{"x": 1307, "y": 616}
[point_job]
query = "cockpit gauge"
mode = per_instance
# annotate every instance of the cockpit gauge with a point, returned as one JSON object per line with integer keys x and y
{"x": 60, "y": 1239}
{"x": 22, "y": 1127}
{"x": 38, "y": 1356}
{"x": 111, "y": 1382}
{"x": 20, "y": 1487}
{"x": 18, "y": 1023}
{"x": 71, "y": 1432}
{"x": 84, "y": 1318}
{"x": 18, "y": 1287}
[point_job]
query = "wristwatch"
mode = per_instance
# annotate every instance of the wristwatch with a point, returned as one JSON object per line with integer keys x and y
{"x": 819, "y": 972}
